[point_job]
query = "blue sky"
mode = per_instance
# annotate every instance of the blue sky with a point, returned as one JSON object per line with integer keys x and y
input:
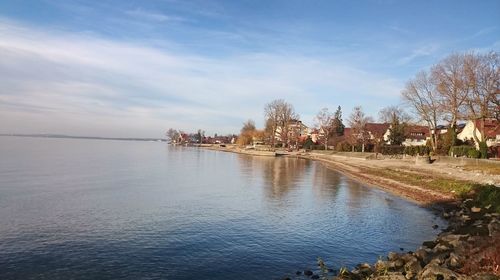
{"x": 137, "y": 68}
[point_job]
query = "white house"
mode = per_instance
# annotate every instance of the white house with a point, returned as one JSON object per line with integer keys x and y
{"x": 491, "y": 131}
{"x": 295, "y": 129}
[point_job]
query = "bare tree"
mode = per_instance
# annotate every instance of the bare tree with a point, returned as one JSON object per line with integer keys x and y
{"x": 483, "y": 83}
{"x": 390, "y": 113}
{"x": 357, "y": 121}
{"x": 247, "y": 133}
{"x": 172, "y": 135}
{"x": 270, "y": 131}
{"x": 450, "y": 81}
{"x": 278, "y": 115}
{"x": 420, "y": 93}
{"x": 398, "y": 120}
{"x": 324, "y": 121}
{"x": 249, "y": 125}
{"x": 287, "y": 114}
{"x": 272, "y": 113}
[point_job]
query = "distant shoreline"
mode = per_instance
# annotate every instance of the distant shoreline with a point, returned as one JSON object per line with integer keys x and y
{"x": 84, "y": 137}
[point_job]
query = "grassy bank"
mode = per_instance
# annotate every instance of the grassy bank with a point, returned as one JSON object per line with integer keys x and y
{"x": 483, "y": 195}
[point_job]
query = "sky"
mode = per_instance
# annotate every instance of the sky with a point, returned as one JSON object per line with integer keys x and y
{"x": 136, "y": 68}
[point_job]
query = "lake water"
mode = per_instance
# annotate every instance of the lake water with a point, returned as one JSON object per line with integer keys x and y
{"x": 95, "y": 209}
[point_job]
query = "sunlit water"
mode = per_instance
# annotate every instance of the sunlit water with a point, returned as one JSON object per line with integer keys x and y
{"x": 94, "y": 209}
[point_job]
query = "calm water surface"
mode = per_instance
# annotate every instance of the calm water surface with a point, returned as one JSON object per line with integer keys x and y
{"x": 93, "y": 209}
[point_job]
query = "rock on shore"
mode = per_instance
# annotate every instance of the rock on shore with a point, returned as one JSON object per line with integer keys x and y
{"x": 468, "y": 249}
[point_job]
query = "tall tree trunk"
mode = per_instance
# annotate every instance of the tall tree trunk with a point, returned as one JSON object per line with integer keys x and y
{"x": 474, "y": 133}
{"x": 433, "y": 136}
{"x": 273, "y": 136}
{"x": 481, "y": 131}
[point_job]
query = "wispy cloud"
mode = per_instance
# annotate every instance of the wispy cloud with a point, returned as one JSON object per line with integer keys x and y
{"x": 485, "y": 31}
{"x": 399, "y": 29}
{"x": 152, "y": 16}
{"x": 60, "y": 82}
{"x": 422, "y": 51}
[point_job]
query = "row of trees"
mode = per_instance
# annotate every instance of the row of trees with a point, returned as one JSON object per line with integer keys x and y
{"x": 175, "y": 135}
{"x": 180, "y": 137}
{"x": 329, "y": 126}
{"x": 460, "y": 87}
{"x": 283, "y": 125}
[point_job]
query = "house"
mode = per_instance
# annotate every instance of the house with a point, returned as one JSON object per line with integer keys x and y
{"x": 295, "y": 129}
{"x": 217, "y": 139}
{"x": 316, "y": 134}
{"x": 443, "y": 129}
{"x": 416, "y": 135}
{"x": 183, "y": 138}
{"x": 491, "y": 131}
{"x": 378, "y": 131}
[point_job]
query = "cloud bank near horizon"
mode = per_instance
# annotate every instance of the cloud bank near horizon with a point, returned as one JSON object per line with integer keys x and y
{"x": 135, "y": 69}
{"x": 55, "y": 81}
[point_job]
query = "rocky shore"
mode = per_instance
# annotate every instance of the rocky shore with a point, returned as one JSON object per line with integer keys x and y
{"x": 469, "y": 248}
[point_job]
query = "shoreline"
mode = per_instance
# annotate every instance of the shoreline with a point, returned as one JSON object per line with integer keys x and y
{"x": 415, "y": 194}
{"x": 468, "y": 249}
{"x": 365, "y": 171}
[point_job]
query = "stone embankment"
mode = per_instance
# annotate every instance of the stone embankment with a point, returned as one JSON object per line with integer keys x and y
{"x": 469, "y": 248}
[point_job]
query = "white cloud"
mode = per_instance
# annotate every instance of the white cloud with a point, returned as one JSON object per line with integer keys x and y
{"x": 59, "y": 82}
{"x": 152, "y": 16}
{"x": 419, "y": 52}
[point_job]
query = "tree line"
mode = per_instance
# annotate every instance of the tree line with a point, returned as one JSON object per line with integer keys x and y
{"x": 460, "y": 87}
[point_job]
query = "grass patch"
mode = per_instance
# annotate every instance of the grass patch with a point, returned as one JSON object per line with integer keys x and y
{"x": 493, "y": 169}
{"x": 483, "y": 195}
{"x": 487, "y": 195}
{"x": 440, "y": 184}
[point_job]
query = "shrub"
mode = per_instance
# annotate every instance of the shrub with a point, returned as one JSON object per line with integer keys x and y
{"x": 343, "y": 147}
{"x": 456, "y": 151}
{"x": 318, "y": 147}
{"x": 308, "y": 144}
{"x": 392, "y": 150}
{"x": 473, "y": 153}
{"x": 417, "y": 150}
{"x": 483, "y": 148}
{"x": 410, "y": 150}
{"x": 488, "y": 195}
{"x": 465, "y": 151}
{"x": 447, "y": 140}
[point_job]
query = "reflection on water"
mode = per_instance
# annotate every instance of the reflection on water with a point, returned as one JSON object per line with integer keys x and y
{"x": 281, "y": 174}
{"x": 87, "y": 209}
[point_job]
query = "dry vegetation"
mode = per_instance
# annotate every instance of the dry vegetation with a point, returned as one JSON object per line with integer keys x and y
{"x": 484, "y": 168}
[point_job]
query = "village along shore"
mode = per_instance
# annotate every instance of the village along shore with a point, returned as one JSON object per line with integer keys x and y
{"x": 466, "y": 195}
